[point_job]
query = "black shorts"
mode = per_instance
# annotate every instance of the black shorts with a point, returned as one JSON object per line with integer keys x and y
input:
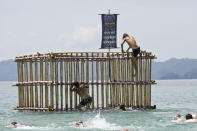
{"x": 136, "y": 51}
{"x": 86, "y": 101}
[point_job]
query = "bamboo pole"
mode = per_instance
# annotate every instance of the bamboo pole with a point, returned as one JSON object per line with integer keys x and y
{"x": 41, "y": 86}
{"x": 66, "y": 80}
{"x": 36, "y": 87}
{"x": 102, "y": 80}
{"x": 87, "y": 73}
{"x": 75, "y": 79}
{"x": 92, "y": 82}
{"x": 113, "y": 86}
{"x": 132, "y": 86}
{"x": 51, "y": 86}
{"x": 149, "y": 85}
{"x": 107, "y": 80}
{"x": 31, "y": 86}
{"x": 140, "y": 79}
{"x": 70, "y": 77}
{"x": 97, "y": 77}
{"x": 27, "y": 87}
{"x": 22, "y": 87}
{"x": 118, "y": 79}
{"x": 46, "y": 86}
{"x": 127, "y": 79}
{"x": 78, "y": 78}
{"x": 150, "y": 80}
{"x": 136, "y": 79}
{"x": 61, "y": 86}
{"x": 19, "y": 93}
{"x": 115, "y": 79}
{"x": 144, "y": 78}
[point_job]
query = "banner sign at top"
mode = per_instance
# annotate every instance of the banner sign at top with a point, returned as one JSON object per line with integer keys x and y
{"x": 109, "y": 31}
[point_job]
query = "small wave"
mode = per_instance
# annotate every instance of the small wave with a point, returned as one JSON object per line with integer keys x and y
{"x": 27, "y": 127}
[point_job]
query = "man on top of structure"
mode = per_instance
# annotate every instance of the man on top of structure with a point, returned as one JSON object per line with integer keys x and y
{"x": 132, "y": 44}
{"x": 82, "y": 90}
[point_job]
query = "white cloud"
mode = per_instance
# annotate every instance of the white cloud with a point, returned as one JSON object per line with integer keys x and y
{"x": 85, "y": 34}
{"x": 80, "y": 35}
{"x": 11, "y": 34}
{"x": 32, "y": 34}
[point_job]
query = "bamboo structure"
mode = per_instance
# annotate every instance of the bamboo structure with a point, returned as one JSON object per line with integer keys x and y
{"x": 114, "y": 78}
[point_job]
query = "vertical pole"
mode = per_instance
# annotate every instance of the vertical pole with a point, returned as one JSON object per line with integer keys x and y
{"x": 22, "y": 87}
{"x": 150, "y": 67}
{"x": 46, "y": 85}
{"x": 31, "y": 86}
{"x": 118, "y": 79}
{"x": 70, "y": 77}
{"x": 102, "y": 92}
{"x": 97, "y": 77}
{"x": 36, "y": 87}
{"x": 26, "y": 87}
{"x": 92, "y": 81}
{"x": 107, "y": 80}
{"x": 51, "y": 85}
{"x": 56, "y": 85}
{"x": 19, "y": 80}
{"x": 41, "y": 85}
{"x": 66, "y": 81}
{"x": 75, "y": 79}
{"x": 61, "y": 81}
{"x": 140, "y": 79}
{"x": 87, "y": 71}
{"x": 132, "y": 86}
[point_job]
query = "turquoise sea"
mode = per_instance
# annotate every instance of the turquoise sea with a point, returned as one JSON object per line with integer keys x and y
{"x": 170, "y": 96}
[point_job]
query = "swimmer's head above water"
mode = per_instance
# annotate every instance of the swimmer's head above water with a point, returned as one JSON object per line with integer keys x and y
{"x": 177, "y": 116}
{"x": 188, "y": 116}
{"x": 79, "y": 122}
{"x": 122, "y": 107}
{"x": 14, "y": 123}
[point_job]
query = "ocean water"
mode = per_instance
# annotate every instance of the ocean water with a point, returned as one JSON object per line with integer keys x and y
{"x": 170, "y": 96}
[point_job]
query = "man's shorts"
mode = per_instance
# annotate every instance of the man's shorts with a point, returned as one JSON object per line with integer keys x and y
{"x": 136, "y": 51}
{"x": 86, "y": 101}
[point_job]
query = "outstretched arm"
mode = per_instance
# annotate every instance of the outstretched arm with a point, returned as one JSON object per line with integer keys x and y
{"x": 122, "y": 45}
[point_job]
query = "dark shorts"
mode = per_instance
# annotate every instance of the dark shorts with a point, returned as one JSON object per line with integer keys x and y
{"x": 136, "y": 51}
{"x": 86, "y": 101}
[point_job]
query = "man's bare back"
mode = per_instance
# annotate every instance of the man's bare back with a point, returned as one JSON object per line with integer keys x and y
{"x": 130, "y": 41}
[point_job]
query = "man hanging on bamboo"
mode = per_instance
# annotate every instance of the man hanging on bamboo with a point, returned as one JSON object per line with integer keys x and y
{"x": 130, "y": 40}
{"x": 82, "y": 90}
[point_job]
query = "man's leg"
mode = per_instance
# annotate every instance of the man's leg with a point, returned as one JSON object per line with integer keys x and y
{"x": 135, "y": 64}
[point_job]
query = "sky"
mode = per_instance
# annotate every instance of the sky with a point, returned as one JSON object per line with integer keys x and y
{"x": 167, "y": 28}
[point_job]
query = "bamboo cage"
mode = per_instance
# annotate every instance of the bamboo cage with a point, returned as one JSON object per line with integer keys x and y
{"x": 114, "y": 78}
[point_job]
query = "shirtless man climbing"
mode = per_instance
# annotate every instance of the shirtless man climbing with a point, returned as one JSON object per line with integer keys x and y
{"x": 130, "y": 40}
{"x": 132, "y": 44}
{"x": 82, "y": 90}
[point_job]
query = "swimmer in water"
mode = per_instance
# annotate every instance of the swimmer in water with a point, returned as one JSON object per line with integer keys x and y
{"x": 79, "y": 122}
{"x": 125, "y": 130}
{"x": 189, "y": 118}
{"x": 122, "y": 107}
{"x": 15, "y": 124}
{"x": 177, "y": 116}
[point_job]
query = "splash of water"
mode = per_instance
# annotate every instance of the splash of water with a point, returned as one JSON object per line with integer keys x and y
{"x": 99, "y": 122}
